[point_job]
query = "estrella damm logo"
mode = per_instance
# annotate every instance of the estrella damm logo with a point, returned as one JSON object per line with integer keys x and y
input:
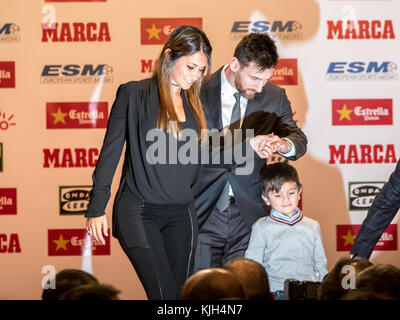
{"x": 7, "y": 74}
{"x": 285, "y": 73}
{"x": 283, "y": 30}
{"x": 347, "y": 112}
{"x": 76, "y": 115}
{"x": 76, "y": 74}
{"x": 72, "y": 242}
{"x": 157, "y": 30}
{"x": 8, "y": 201}
{"x": 361, "y": 70}
{"x": 74, "y": 199}
{"x": 9, "y": 32}
{"x": 1, "y": 157}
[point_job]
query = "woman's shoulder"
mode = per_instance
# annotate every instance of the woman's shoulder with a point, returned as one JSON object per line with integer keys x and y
{"x": 139, "y": 85}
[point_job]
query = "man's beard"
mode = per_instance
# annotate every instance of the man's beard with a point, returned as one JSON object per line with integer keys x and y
{"x": 243, "y": 92}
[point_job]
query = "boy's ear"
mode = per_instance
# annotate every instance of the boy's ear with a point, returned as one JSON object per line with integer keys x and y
{"x": 266, "y": 200}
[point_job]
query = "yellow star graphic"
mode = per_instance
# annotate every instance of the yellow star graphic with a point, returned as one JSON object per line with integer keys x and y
{"x": 348, "y": 238}
{"x": 153, "y": 32}
{"x": 61, "y": 243}
{"x": 59, "y": 116}
{"x": 344, "y": 113}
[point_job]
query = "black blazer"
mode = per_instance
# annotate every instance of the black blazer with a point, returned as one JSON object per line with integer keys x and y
{"x": 268, "y": 112}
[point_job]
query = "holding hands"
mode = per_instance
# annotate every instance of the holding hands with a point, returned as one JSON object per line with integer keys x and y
{"x": 266, "y": 145}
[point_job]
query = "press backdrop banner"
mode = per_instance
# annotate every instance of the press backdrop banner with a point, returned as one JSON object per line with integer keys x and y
{"x": 61, "y": 63}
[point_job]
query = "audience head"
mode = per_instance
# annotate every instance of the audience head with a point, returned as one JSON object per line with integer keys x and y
{"x": 212, "y": 284}
{"x": 91, "y": 292}
{"x": 253, "y": 277}
{"x": 331, "y": 287}
{"x": 67, "y": 279}
{"x": 382, "y": 279}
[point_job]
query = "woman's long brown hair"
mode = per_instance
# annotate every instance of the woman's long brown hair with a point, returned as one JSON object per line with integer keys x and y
{"x": 185, "y": 40}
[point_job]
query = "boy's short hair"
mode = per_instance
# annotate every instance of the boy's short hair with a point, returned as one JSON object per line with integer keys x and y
{"x": 272, "y": 177}
{"x": 258, "y": 48}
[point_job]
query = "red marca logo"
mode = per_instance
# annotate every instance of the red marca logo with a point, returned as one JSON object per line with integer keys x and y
{"x": 360, "y": 29}
{"x": 346, "y": 234}
{"x": 8, "y": 201}
{"x": 71, "y": 242}
{"x": 76, "y": 32}
{"x": 363, "y": 153}
{"x": 362, "y": 112}
{"x": 9, "y": 244}
{"x": 285, "y": 73}
{"x": 157, "y": 30}
{"x": 75, "y": 0}
{"x": 7, "y": 74}
{"x": 70, "y": 158}
{"x": 73, "y": 115}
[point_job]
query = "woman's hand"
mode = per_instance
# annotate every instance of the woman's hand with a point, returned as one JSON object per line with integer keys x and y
{"x": 96, "y": 226}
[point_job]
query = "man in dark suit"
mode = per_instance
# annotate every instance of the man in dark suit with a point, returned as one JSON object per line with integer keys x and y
{"x": 382, "y": 211}
{"x": 239, "y": 95}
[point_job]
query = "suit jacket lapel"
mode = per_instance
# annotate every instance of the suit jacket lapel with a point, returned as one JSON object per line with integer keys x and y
{"x": 214, "y": 100}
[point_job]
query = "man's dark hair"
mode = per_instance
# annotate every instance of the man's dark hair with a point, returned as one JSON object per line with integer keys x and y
{"x": 272, "y": 177}
{"x": 331, "y": 287}
{"x": 258, "y": 48}
{"x": 67, "y": 279}
{"x": 253, "y": 277}
{"x": 382, "y": 279}
{"x": 91, "y": 292}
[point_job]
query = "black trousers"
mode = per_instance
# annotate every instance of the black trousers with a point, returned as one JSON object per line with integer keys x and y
{"x": 160, "y": 245}
{"x": 223, "y": 237}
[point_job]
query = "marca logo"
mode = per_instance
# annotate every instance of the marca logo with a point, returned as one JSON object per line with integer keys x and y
{"x": 72, "y": 115}
{"x": 9, "y": 244}
{"x": 71, "y": 242}
{"x": 76, "y": 32}
{"x": 70, "y": 158}
{"x": 362, "y": 112}
{"x": 359, "y": 70}
{"x": 74, "y": 199}
{"x": 8, "y": 201}
{"x": 362, "y": 194}
{"x": 1, "y": 157}
{"x": 285, "y": 72}
{"x": 6, "y": 121}
{"x": 148, "y": 65}
{"x": 363, "y": 153}
{"x": 157, "y": 30}
{"x": 74, "y": 73}
{"x": 7, "y": 74}
{"x": 360, "y": 29}
{"x": 288, "y": 30}
{"x": 9, "y": 32}
{"x": 346, "y": 234}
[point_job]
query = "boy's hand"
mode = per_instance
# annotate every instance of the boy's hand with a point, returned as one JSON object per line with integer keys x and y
{"x": 266, "y": 145}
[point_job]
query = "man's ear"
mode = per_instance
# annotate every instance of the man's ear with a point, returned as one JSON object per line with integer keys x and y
{"x": 167, "y": 51}
{"x": 266, "y": 200}
{"x": 234, "y": 64}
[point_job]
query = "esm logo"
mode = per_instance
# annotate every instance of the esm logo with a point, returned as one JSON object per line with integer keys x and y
{"x": 75, "y": 73}
{"x": 360, "y": 70}
{"x": 288, "y": 30}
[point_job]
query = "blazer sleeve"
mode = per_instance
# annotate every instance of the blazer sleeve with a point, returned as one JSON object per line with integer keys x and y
{"x": 109, "y": 155}
{"x": 287, "y": 128}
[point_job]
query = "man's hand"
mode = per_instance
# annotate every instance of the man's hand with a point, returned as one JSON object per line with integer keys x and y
{"x": 266, "y": 145}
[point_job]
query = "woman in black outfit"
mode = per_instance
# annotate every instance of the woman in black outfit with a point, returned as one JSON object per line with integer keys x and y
{"x": 153, "y": 214}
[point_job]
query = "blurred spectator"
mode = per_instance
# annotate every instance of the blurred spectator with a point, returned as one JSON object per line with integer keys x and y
{"x": 212, "y": 284}
{"x": 91, "y": 292}
{"x": 383, "y": 279}
{"x": 331, "y": 287}
{"x": 253, "y": 277}
{"x": 67, "y": 279}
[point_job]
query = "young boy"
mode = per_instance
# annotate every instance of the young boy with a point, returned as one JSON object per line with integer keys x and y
{"x": 286, "y": 243}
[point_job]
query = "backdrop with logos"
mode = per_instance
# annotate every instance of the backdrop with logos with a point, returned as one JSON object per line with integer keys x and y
{"x": 61, "y": 62}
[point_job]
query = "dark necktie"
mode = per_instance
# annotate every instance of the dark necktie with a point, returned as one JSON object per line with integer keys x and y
{"x": 223, "y": 201}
